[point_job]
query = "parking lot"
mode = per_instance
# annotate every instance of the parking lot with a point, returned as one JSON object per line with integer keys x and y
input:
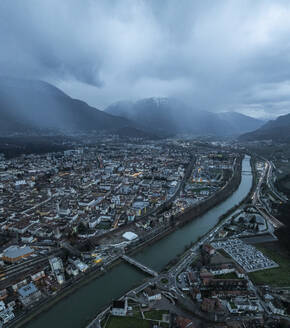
{"x": 247, "y": 256}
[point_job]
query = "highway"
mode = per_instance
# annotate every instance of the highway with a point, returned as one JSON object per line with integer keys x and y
{"x": 270, "y": 183}
{"x": 256, "y": 199}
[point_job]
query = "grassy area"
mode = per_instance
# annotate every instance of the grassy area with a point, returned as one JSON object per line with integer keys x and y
{"x": 136, "y": 320}
{"x": 136, "y": 312}
{"x": 103, "y": 321}
{"x": 195, "y": 261}
{"x": 104, "y": 225}
{"x": 127, "y": 322}
{"x": 230, "y": 275}
{"x": 155, "y": 314}
{"x": 273, "y": 277}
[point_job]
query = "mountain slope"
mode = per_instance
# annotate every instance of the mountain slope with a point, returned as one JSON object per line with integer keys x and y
{"x": 155, "y": 114}
{"x": 240, "y": 123}
{"x": 277, "y": 130}
{"x": 168, "y": 115}
{"x": 29, "y": 106}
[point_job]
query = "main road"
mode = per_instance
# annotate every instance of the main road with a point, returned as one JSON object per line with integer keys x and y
{"x": 266, "y": 177}
{"x": 81, "y": 307}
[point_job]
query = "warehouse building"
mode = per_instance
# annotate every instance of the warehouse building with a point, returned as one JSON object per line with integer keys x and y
{"x": 14, "y": 254}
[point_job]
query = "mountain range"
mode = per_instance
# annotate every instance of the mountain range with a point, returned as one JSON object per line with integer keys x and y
{"x": 277, "y": 130}
{"x": 167, "y": 115}
{"x": 35, "y": 107}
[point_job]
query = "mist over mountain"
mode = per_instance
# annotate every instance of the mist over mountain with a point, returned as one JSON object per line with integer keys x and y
{"x": 36, "y": 107}
{"x": 31, "y": 106}
{"x": 276, "y": 130}
{"x": 167, "y": 115}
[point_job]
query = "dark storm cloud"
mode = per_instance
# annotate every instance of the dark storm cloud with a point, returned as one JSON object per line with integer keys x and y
{"x": 216, "y": 55}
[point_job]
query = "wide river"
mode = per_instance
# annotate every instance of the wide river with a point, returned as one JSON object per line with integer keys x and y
{"x": 78, "y": 309}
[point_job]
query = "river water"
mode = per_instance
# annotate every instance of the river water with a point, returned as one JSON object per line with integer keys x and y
{"x": 81, "y": 307}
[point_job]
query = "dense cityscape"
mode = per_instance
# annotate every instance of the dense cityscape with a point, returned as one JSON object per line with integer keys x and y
{"x": 68, "y": 215}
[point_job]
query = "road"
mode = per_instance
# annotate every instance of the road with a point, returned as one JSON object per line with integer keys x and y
{"x": 270, "y": 183}
{"x": 256, "y": 199}
{"x": 37, "y": 205}
{"x": 177, "y": 191}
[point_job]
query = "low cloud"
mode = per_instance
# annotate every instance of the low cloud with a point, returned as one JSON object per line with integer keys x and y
{"x": 215, "y": 55}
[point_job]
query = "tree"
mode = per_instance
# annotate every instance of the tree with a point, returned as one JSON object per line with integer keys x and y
{"x": 82, "y": 228}
{"x": 284, "y": 324}
{"x": 253, "y": 219}
{"x": 241, "y": 219}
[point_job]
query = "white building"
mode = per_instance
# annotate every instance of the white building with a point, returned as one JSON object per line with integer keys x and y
{"x": 57, "y": 269}
{"x": 242, "y": 304}
{"x": 93, "y": 222}
{"x": 81, "y": 266}
{"x": 29, "y": 294}
{"x": 6, "y": 315}
{"x": 120, "y": 308}
{"x": 129, "y": 235}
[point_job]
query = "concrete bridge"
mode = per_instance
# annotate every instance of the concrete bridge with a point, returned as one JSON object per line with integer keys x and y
{"x": 140, "y": 265}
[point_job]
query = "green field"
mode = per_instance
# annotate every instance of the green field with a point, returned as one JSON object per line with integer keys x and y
{"x": 136, "y": 321}
{"x": 127, "y": 322}
{"x": 104, "y": 225}
{"x": 136, "y": 312}
{"x": 230, "y": 275}
{"x": 274, "y": 277}
{"x": 155, "y": 314}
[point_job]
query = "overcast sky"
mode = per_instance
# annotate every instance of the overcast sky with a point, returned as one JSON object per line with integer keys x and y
{"x": 216, "y": 55}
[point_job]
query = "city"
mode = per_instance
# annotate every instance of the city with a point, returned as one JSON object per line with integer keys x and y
{"x": 144, "y": 164}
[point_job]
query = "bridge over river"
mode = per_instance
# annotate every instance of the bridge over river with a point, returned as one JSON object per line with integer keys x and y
{"x": 139, "y": 265}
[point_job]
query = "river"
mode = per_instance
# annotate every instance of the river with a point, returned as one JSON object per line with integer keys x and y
{"x": 76, "y": 310}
